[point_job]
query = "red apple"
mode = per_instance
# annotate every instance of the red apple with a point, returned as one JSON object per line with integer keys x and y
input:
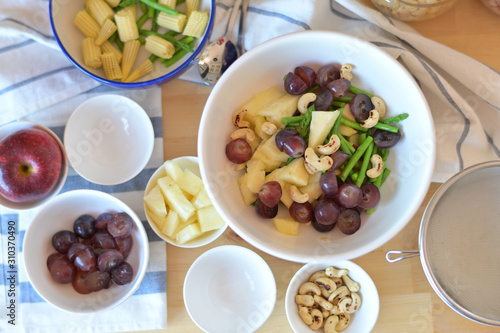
{"x": 30, "y": 165}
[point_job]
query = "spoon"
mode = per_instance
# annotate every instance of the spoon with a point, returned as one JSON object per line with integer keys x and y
{"x": 219, "y": 54}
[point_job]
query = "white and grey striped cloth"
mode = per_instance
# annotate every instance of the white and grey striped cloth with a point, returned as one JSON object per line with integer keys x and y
{"x": 38, "y": 82}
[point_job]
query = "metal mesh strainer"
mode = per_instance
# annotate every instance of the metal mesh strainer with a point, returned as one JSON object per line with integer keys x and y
{"x": 459, "y": 243}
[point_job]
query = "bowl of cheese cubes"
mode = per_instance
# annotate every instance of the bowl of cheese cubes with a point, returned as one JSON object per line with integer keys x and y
{"x": 177, "y": 205}
{"x": 132, "y": 43}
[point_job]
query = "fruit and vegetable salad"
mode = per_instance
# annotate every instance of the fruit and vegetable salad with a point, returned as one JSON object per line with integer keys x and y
{"x": 316, "y": 147}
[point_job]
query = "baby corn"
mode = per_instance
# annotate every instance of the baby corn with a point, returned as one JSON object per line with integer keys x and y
{"x": 86, "y": 24}
{"x": 145, "y": 68}
{"x": 130, "y": 51}
{"x": 172, "y": 22}
{"x": 107, "y": 47}
{"x": 127, "y": 27}
{"x": 196, "y": 24}
{"x": 111, "y": 67}
{"x": 159, "y": 47}
{"x": 91, "y": 53}
{"x": 191, "y": 5}
{"x": 100, "y": 10}
{"x": 108, "y": 28}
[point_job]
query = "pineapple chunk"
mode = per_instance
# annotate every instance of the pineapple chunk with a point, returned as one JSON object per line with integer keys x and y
{"x": 171, "y": 224}
{"x": 295, "y": 173}
{"x": 312, "y": 187}
{"x": 285, "y": 106}
{"x": 173, "y": 170}
{"x": 347, "y": 130}
{"x": 209, "y": 219}
{"x": 248, "y": 196}
{"x": 159, "y": 221}
{"x": 268, "y": 153}
{"x": 259, "y": 120}
{"x": 286, "y": 198}
{"x": 155, "y": 202}
{"x": 287, "y": 226}
{"x": 259, "y": 100}
{"x": 201, "y": 200}
{"x": 256, "y": 175}
{"x": 275, "y": 175}
{"x": 190, "y": 183}
{"x": 183, "y": 224}
{"x": 188, "y": 233}
{"x": 321, "y": 124}
{"x": 175, "y": 198}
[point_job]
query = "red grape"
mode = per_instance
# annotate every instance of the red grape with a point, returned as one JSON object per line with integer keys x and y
{"x": 85, "y": 259}
{"x": 328, "y": 183}
{"x": 97, "y": 280}
{"x": 301, "y": 212}
{"x": 321, "y": 227}
{"x": 270, "y": 193}
{"x": 122, "y": 274}
{"x": 326, "y": 211}
{"x": 74, "y": 249}
{"x": 339, "y": 87}
{"x": 62, "y": 270}
{"x": 109, "y": 259}
{"x": 79, "y": 282}
{"x": 324, "y": 98}
{"x": 294, "y": 85}
{"x": 360, "y": 106}
{"x": 326, "y": 74}
{"x": 370, "y": 196}
{"x": 307, "y": 74}
{"x": 53, "y": 257}
{"x": 125, "y": 245}
{"x": 289, "y": 141}
{"x": 349, "y": 195}
{"x": 62, "y": 240}
{"x": 238, "y": 151}
{"x": 385, "y": 139}
{"x": 339, "y": 157}
{"x": 84, "y": 226}
{"x": 102, "y": 220}
{"x": 265, "y": 211}
{"x": 120, "y": 225}
{"x": 103, "y": 240}
{"x": 349, "y": 221}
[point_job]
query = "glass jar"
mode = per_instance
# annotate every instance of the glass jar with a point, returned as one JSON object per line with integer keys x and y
{"x": 493, "y": 5}
{"x": 413, "y": 10}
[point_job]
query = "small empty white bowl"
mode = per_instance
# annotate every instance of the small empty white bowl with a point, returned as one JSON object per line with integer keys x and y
{"x": 15, "y": 126}
{"x": 229, "y": 289}
{"x": 362, "y": 321}
{"x": 109, "y": 139}
{"x": 190, "y": 163}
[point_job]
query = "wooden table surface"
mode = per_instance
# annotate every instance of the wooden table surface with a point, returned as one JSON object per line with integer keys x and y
{"x": 407, "y": 302}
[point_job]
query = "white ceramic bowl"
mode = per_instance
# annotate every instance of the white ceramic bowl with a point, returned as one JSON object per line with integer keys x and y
{"x": 109, "y": 139}
{"x": 411, "y": 160}
{"x": 229, "y": 289}
{"x": 69, "y": 38}
{"x": 362, "y": 321}
{"x": 13, "y": 127}
{"x": 59, "y": 214}
{"x": 190, "y": 163}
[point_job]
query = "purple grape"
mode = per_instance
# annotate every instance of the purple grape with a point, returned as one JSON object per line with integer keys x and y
{"x": 301, "y": 212}
{"x": 385, "y": 139}
{"x": 370, "y": 196}
{"x": 103, "y": 240}
{"x": 322, "y": 227}
{"x": 265, "y": 211}
{"x": 79, "y": 282}
{"x": 53, "y": 257}
{"x": 84, "y": 226}
{"x": 360, "y": 106}
{"x": 294, "y": 85}
{"x": 324, "y": 98}
{"x": 328, "y": 183}
{"x": 62, "y": 270}
{"x": 120, "y": 225}
{"x": 97, "y": 280}
{"x": 307, "y": 74}
{"x": 62, "y": 240}
{"x": 122, "y": 274}
{"x": 339, "y": 87}
{"x": 270, "y": 193}
{"x": 238, "y": 151}
{"x": 109, "y": 259}
{"x": 124, "y": 245}
{"x": 349, "y": 221}
{"x": 74, "y": 249}
{"x": 85, "y": 260}
{"x": 289, "y": 141}
{"x": 326, "y": 74}
{"x": 102, "y": 220}
{"x": 348, "y": 195}
{"x": 326, "y": 211}
{"x": 339, "y": 157}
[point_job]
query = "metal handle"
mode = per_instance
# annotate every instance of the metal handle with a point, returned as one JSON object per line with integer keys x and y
{"x": 232, "y": 19}
{"x": 241, "y": 29}
{"x": 402, "y": 255}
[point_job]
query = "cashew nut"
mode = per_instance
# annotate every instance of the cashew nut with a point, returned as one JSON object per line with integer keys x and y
{"x": 317, "y": 275}
{"x": 243, "y": 133}
{"x": 344, "y": 320}
{"x": 335, "y": 272}
{"x": 328, "y": 284}
{"x": 317, "y": 316}
{"x": 338, "y": 281}
{"x": 355, "y": 304}
{"x": 323, "y": 302}
{"x": 305, "y": 314}
{"x": 326, "y": 313}
{"x": 372, "y": 119}
{"x": 304, "y": 101}
{"x": 344, "y": 303}
{"x": 379, "y": 105}
{"x": 338, "y": 294}
{"x": 269, "y": 128}
{"x": 238, "y": 119}
{"x": 310, "y": 168}
{"x": 297, "y": 196}
{"x": 309, "y": 288}
{"x": 331, "y": 147}
{"x": 345, "y": 72}
{"x": 320, "y": 163}
{"x": 335, "y": 310}
{"x": 351, "y": 284}
{"x": 305, "y": 300}
{"x": 331, "y": 324}
{"x": 377, "y": 166}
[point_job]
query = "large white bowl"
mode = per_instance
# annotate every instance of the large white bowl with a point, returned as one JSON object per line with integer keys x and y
{"x": 109, "y": 139}
{"x": 69, "y": 38}
{"x": 362, "y": 321}
{"x": 59, "y": 214}
{"x": 411, "y": 160}
{"x": 229, "y": 289}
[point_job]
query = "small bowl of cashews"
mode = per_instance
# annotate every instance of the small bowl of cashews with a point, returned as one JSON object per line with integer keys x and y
{"x": 414, "y": 10}
{"x": 332, "y": 297}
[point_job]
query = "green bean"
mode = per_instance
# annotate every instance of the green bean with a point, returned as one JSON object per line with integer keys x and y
{"x": 355, "y": 158}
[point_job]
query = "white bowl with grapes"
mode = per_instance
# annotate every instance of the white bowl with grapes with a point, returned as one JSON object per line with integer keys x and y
{"x": 323, "y": 151}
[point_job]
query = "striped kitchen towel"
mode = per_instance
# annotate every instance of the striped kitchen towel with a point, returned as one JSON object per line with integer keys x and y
{"x": 147, "y": 308}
